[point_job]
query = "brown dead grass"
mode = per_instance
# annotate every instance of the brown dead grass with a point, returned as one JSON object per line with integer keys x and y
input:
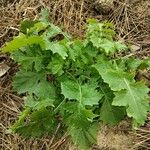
{"x": 116, "y": 138}
{"x": 132, "y": 24}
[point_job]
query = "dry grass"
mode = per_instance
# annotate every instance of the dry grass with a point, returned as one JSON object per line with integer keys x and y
{"x": 116, "y": 138}
{"x": 131, "y": 20}
{"x": 132, "y": 24}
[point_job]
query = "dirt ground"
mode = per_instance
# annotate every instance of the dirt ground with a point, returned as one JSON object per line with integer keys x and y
{"x": 132, "y": 22}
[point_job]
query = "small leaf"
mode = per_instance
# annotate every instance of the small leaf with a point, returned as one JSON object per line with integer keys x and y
{"x": 56, "y": 65}
{"x": 108, "y": 46}
{"x": 37, "y": 104}
{"x": 59, "y": 49}
{"x": 120, "y": 46}
{"x": 44, "y": 16}
{"x": 26, "y": 25}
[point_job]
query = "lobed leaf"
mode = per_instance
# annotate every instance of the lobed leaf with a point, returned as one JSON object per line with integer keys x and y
{"x": 135, "y": 100}
{"x": 85, "y": 94}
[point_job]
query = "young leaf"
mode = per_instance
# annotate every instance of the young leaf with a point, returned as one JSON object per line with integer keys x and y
{"x": 26, "y": 25}
{"x": 120, "y": 46}
{"x": 21, "y": 119}
{"x": 101, "y": 36}
{"x": 44, "y": 16}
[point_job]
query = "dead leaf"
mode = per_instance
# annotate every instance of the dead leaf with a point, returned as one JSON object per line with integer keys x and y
{"x": 3, "y": 69}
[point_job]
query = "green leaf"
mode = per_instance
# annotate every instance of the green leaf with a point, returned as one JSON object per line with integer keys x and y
{"x": 70, "y": 89}
{"x": 21, "y": 119}
{"x": 75, "y": 49}
{"x": 58, "y": 48}
{"x": 45, "y": 90}
{"x": 26, "y": 25}
{"x": 44, "y": 16}
{"x": 89, "y": 95}
{"x": 38, "y": 123}
{"x": 22, "y": 41}
{"x": 81, "y": 129}
{"x": 116, "y": 78}
{"x": 134, "y": 64}
{"x": 101, "y": 35}
{"x": 135, "y": 100}
{"x": 56, "y": 65}
{"x": 108, "y": 46}
{"x": 44, "y": 94}
{"x": 26, "y": 81}
{"x": 39, "y": 26}
{"x": 120, "y": 46}
{"x": 30, "y": 57}
{"x": 127, "y": 91}
{"x": 85, "y": 137}
{"x": 37, "y": 104}
{"x": 110, "y": 114}
{"x": 85, "y": 94}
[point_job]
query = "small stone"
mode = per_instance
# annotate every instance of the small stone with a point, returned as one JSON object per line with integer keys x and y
{"x": 135, "y": 47}
{"x": 103, "y": 6}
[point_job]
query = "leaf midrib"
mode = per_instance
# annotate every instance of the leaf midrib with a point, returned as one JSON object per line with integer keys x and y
{"x": 131, "y": 93}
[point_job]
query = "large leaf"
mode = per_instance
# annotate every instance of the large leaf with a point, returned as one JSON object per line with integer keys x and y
{"x": 116, "y": 78}
{"x": 38, "y": 123}
{"x": 108, "y": 113}
{"x": 81, "y": 129}
{"x": 32, "y": 56}
{"x": 127, "y": 91}
{"x": 85, "y": 94}
{"x": 27, "y": 81}
{"x": 22, "y": 41}
{"x": 135, "y": 100}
